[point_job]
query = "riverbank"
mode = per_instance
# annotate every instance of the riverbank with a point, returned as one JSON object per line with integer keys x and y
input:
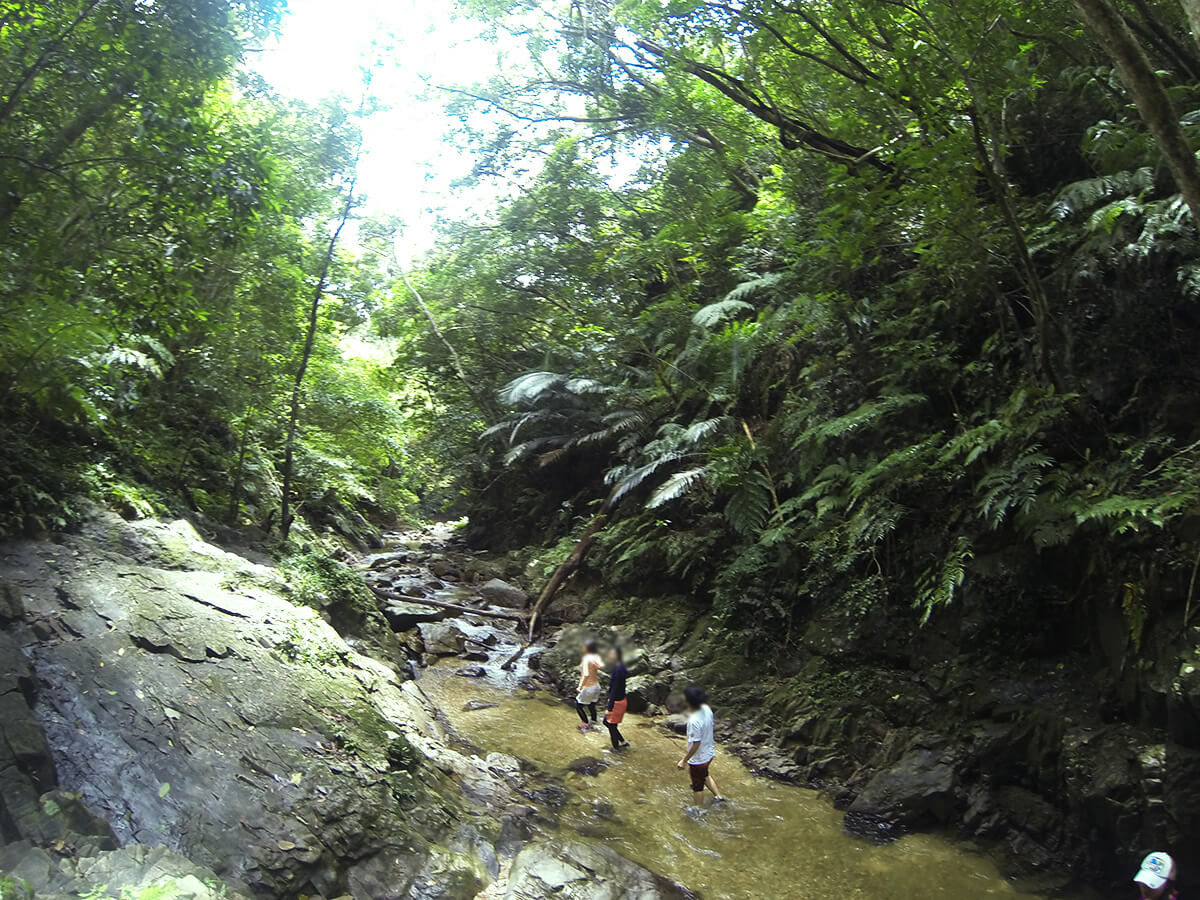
{"x": 176, "y": 725}
{"x": 178, "y": 721}
{"x": 665, "y": 655}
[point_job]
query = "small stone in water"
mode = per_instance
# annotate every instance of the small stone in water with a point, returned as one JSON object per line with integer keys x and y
{"x": 472, "y": 672}
{"x": 475, "y": 705}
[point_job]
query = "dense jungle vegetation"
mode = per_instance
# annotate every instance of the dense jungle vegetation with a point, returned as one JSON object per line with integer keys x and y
{"x": 871, "y": 303}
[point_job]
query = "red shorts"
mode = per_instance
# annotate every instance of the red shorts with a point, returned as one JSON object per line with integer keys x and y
{"x": 698, "y": 773}
{"x": 617, "y": 714}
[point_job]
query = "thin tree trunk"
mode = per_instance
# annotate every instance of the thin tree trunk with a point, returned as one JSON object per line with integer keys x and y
{"x": 51, "y": 155}
{"x": 235, "y": 494}
{"x": 30, "y": 73}
{"x": 1191, "y": 9}
{"x": 489, "y": 410}
{"x": 993, "y": 170}
{"x": 573, "y": 561}
{"x": 1148, "y": 93}
{"x": 310, "y": 338}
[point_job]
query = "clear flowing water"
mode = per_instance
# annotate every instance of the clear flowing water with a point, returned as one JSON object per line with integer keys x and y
{"x": 768, "y": 841}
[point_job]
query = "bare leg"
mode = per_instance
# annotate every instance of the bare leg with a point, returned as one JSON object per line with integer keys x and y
{"x": 712, "y": 786}
{"x": 698, "y": 798}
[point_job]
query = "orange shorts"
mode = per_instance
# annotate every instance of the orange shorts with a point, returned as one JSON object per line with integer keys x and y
{"x": 617, "y": 713}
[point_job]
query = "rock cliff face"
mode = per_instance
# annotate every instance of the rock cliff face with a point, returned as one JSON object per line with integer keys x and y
{"x": 170, "y": 720}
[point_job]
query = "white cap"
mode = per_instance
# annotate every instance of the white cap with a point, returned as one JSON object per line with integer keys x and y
{"x": 1157, "y": 869}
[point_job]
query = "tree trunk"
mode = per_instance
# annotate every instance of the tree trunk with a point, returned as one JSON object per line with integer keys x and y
{"x": 52, "y": 153}
{"x": 487, "y": 408}
{"x": 235, "y": 493}
{"x": 310, "y": 338}
{"x": 573, "y": 560}
{"x": 1191, "y": 8}
{"x": 1148, "y": 94}
{"x": 31, "y": 72}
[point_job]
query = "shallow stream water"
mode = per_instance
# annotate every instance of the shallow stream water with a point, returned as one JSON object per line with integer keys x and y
{"x": 769, "y": 840}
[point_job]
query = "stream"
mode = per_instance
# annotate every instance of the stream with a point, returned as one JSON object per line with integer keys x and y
{"x": 770, "y": 840}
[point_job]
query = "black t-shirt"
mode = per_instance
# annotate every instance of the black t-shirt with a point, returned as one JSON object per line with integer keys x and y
{"x": 616, "y": 683}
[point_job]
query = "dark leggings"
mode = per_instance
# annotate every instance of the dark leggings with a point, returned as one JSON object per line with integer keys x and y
{"x": 583, "y": 716}
{"x": 615, "y": 734}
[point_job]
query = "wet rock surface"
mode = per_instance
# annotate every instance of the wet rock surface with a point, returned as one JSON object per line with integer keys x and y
{"x": 1015, "y": 757}
{"x": 168, "y": 716}
{"x": 501, "y": 593}
{"x": 583, "y": 871}
{"x": 137, "y": 869}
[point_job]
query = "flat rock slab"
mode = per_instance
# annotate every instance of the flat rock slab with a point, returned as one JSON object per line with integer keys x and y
{"x": 191, "y": 705}
{"x": 577, "y": 870}
{"x": 130, "y": 870}
{"x": 442, "y": 638}
{"x": 406, "y": 616}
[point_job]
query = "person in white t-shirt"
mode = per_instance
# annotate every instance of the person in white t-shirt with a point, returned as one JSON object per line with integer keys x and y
{"x": 589, "y": 687}
{"x": 701, "y": 745}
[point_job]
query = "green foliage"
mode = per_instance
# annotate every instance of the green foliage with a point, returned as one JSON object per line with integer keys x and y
{"x": 162, "y": 219}
{"x": 318, "y": 581}
{"x": 300, "y": 646}
{"x": 821, "y": 360}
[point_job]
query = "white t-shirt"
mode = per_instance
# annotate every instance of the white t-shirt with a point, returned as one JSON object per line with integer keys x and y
{"x": 586, "y": 676}
{"x": 700, "y": 728}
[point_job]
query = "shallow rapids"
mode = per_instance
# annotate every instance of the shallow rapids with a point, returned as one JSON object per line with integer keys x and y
{"x": 768, "y": 841}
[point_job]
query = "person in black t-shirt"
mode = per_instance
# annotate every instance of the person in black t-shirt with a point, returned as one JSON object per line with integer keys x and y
{"x": 617, "y": 701}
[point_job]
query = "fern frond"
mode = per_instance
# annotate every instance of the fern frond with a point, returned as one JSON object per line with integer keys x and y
{"x": 530, "y": 387}
{"x": 676, "y": 486}
{"x": 708, "y": 316}
{"x": 864, "y": 416}
{"x": 520, "y": 451}
{"x": 634, "y": 478}
{"x": 698, "y": 431}
{"x": 938, "y": 584}
{"x": 750, "y": 504}
{"x": 1092, "y": 192}
{"x": 748, "y": 289}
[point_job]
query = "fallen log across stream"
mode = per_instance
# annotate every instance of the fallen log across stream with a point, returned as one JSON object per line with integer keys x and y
{"x": 510, "y": 616}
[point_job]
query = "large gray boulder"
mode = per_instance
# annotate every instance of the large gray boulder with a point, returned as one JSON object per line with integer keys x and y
{"x": 501, "y": 593}
{"x": 920, "y": 789}
{"x": 576, "y": 870}
{"x": 644, "y": 691}
{"x": 442, "y": 638}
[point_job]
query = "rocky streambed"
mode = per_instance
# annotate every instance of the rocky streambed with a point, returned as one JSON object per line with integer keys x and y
{"x": 174, "y": 717}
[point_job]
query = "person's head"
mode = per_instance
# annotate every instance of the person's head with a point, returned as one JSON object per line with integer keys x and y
{"x": 1155, "y": 875}
{"x": 590, "y": 646}
{"x": 614, "y": 654}
{"x": 695, "y": 697}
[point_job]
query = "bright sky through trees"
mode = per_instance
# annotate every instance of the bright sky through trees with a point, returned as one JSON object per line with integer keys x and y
{"x": 409, "y": 162}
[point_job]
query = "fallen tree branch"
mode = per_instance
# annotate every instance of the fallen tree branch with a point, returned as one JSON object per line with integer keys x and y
{"x": 508, "y": 664}
{"x": 453, "y": 607}
{"x": 574, "y": 559}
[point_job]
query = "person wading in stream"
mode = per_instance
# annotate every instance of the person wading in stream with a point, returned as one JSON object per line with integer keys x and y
{"x": 701, "y": 745}
{"x": 589, "y": 687}
{"x": 616, "y": 698}
{"x": 1156, "y": 877}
